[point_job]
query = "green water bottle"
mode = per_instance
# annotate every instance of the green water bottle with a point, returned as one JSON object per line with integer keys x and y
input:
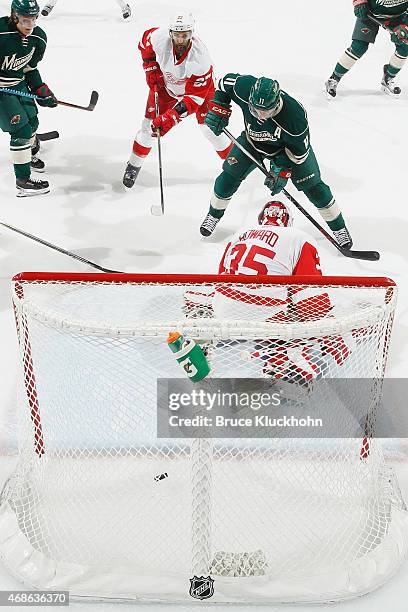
{"x": 189, "y": 355}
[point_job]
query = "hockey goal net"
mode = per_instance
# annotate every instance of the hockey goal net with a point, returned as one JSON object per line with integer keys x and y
{"x": 99, "y": 505}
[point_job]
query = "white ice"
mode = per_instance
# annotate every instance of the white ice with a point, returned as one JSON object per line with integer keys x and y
{"x": 360, "y": 140}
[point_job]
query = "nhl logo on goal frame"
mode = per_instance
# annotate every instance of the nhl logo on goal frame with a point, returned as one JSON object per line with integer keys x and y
{"x": 201, "y": 587}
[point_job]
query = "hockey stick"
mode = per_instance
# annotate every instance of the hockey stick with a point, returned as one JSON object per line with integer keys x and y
{"x": 379, "y": 23}
{"x": 47, "y": 136}
{"x": 158, "y": 210}
{"x": 59, "y": 249}
{"x": 365, "y": 255}
{"x": 24, "y": 94}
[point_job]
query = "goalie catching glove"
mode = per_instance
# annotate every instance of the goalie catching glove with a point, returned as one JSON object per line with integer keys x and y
{"x": 279, "y": 179}
{"x": 46, "y": 97}
{"x": 217, "y": 117}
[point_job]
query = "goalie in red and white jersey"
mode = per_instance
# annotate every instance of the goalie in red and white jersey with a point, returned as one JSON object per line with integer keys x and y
{"x": 274, "y": 248}
{"x": 177, "y": 64}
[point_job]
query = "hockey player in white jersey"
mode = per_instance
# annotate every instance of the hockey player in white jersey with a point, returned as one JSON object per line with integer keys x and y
{"x": 178, "y": 66}
{"x": 124, "y": 6}
{"x": 274, "y": 248}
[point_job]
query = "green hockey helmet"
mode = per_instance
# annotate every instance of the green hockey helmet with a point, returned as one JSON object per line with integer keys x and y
{"x": 25, "y": 8}
{"x": 264, "y": 98}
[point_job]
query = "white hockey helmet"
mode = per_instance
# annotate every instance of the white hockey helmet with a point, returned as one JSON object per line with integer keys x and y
{"x": 275, "y": 213}
{"x": 182, "y": 22}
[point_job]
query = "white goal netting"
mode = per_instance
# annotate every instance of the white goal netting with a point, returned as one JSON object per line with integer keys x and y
{"x": 100, "y": 505}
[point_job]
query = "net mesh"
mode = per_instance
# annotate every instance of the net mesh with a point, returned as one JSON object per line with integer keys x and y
{"x": 98, "y": 501}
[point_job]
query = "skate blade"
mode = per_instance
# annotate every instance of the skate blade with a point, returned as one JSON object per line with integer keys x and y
{"x": 30, "y": 194}
{"x": 156, "y": 210}
{"x": 39, "y": 170}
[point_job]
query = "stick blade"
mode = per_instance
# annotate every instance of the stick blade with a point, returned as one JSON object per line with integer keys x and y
{"x": 48, "y": 136}
{"x": 94, "y": 100}
{"x": 156, "y": 211}
{"x": 365, "y": 255}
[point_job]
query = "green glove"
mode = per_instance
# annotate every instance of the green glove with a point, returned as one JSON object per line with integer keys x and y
{"x": 361, "y": 8}
{"x": 279, "y": 178}
{"x": 46, "y": 97}
{"x": 217, "y": 116}
{"x": 400, "y": 34}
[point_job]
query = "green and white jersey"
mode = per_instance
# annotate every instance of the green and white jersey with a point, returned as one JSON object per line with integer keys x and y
{"x": 286, "y": 132}
{"x": 388, "y": 8}
{"x": 19, "y": 55}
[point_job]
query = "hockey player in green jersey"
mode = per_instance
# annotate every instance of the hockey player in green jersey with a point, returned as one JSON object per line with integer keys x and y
{"x": 22, "y": 46}
{"x": 276, "y": 128}
{"x": 394, "y": 15}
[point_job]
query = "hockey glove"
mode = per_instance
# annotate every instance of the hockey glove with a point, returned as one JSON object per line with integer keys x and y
{"x": 361, "y": 8}
{"x": 217, "y": 117}
{"x": 46, "y": 98}
{"x": 154, "y": 76}
{"x": 280, "y": 177}
{"x": 400, "y": 34}
{"x": 165, "y": 122}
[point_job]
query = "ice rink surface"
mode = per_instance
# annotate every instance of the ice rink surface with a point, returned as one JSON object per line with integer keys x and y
{"x": 359, "y": 139}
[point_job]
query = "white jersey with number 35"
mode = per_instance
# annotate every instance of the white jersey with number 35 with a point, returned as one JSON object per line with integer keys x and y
{"x": 270, "y": 251}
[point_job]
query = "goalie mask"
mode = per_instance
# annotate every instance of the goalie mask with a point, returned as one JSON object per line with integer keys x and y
{"x": 275, "y": 213}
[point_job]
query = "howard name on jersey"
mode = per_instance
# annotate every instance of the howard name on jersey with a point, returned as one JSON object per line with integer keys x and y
{"x": 191, "y": 75}
{"x": 266, "y": 250}
{"x": 19, "y": 55}
{"x": 287, "y": 131}
{"x": 388, "y": 8}
{"x": 271, "y": 251}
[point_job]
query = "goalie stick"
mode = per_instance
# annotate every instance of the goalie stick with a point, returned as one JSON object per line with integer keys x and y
{"x": 92, "y": 103}
{"x": 158, "y": 210}
{"x": 365, "y": 255}
{"x": 48, "y": 136}
{"x": 59, "y": 249}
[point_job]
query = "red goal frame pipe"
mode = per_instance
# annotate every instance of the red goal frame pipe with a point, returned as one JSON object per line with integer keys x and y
{"x": 347, "y": 281}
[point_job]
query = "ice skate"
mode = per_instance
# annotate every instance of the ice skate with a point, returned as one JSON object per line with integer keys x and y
{"x": 388, "y": 85}
{"x": 127, "y": 12}
{"x": 31, "y": 187}
{"x": 130, "y": 175}
{"x": 331, "y": 88}
{"x": 343, "y": 238}
{"x": 208, "y": 225}
{"x": 37, "y": 164}
{"x": 46, "y": 10}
